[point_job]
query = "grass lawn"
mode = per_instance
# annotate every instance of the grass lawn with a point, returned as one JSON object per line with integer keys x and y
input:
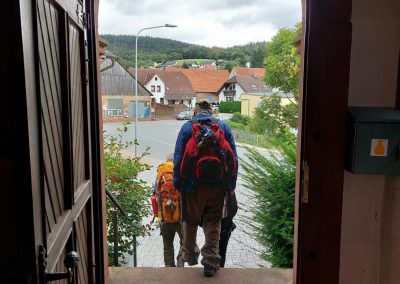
{"x": 180, "y": 61}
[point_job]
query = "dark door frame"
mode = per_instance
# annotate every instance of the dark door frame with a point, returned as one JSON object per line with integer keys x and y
{"x": 327, "y": 44}
{"x": 321, "y": 148}
{"x": 96, "y": 131}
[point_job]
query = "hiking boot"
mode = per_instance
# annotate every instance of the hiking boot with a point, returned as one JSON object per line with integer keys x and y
{"x": 191, "y": 259}
{"x": 180, "y": 263}
{"x": 192, "y": 262}
{"x": 209, "y": 270}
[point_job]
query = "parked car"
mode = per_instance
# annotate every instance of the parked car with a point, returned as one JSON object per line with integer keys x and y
{"x": 185, "y": 115}
{"x": 215, "y": 107}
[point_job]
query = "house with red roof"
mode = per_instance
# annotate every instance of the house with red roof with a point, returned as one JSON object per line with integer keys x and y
{"x": 242, "y": 84}
{"x": 206, "y": 83}
{"x": 255, "y": 72}
{"x": 171, "y": 88}
{"x": 208, "y": 64}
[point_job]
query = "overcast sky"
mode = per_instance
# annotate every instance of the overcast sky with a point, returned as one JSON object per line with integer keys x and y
{"x": 206, "y": 22}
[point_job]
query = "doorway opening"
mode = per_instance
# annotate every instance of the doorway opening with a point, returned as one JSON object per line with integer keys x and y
{"x": 239, "y": 75}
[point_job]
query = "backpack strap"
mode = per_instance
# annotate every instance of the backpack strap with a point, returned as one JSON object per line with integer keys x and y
{"x": 160, "y": 197}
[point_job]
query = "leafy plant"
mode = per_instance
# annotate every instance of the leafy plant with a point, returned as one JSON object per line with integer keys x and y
{"x": 271, "y": 177}
{"x": 282, "y": 63}
{"x": 271, "y": 117}
{"x": 236, "y": 125}
{"x": 240, "y": 118}
{"x": 121, "y": 174}
{"x": 229, "y": 107}
{"x": 282, "y": 66}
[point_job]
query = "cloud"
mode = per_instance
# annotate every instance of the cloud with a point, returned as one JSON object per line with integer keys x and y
{"x": 206, "y": 22}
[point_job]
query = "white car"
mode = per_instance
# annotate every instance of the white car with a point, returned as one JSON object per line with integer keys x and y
{"x": 215, "y": 107}
{"x": 185, "y": 115}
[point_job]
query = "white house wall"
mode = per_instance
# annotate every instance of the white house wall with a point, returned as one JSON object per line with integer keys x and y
{"x": 370, "y": 238}
{"x": 155, "y": 83}
{"x": 239, "y": 92}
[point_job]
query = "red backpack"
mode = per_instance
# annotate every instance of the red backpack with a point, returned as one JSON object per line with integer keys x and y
{"x": 208, "y": 156}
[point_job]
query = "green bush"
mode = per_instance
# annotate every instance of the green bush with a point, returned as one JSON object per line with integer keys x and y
{"x": 132, "y": 194}
{"x": 272, "y": 179}
{"x": 235, "y": 125}
{"x": 229, "y": 107}
{"x": 240, "y": 118}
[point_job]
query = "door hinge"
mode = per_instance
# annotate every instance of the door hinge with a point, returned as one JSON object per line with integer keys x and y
{"x": 83, "y": 17}
{"x": 305, "y": 182}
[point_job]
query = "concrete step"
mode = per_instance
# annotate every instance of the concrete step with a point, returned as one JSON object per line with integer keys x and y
{"x": 150, "y": 275}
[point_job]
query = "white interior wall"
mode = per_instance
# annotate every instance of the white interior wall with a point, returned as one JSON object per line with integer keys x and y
{"x": 370, "y": 243}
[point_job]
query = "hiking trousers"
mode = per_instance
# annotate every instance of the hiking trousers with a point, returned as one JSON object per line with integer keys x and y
{"x": 227, "y": 227}
{"x": 203, "y": 201}
{"x": 168, "y": 231}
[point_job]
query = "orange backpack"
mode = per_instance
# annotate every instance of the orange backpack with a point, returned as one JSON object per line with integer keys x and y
{"x": 168, "y": 199}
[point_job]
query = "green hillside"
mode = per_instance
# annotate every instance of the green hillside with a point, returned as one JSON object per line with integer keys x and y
{"x": 160, "y": 50}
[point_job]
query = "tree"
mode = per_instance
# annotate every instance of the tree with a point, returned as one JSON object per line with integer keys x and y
{"x": 229, "y": 65}
{"x": 257, "y": 59}
{"x": 185, "y": 66}
{"x": 282, "y": 63}
{"x": 271, "y": 117}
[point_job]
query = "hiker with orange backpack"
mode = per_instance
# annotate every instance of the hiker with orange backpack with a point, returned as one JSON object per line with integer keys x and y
{"x": 205, "y": 172}
{"x": 166, "y": 205}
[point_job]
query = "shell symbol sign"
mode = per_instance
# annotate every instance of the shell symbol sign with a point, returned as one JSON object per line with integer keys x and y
{"x": 379, "y": 147}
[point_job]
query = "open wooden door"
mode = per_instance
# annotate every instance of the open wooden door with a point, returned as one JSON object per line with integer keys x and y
{"x": 66, "y": 217}
{"x": 326, "y": 46}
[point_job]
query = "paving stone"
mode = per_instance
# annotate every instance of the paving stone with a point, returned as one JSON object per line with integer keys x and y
{"x": 243, "y": 248}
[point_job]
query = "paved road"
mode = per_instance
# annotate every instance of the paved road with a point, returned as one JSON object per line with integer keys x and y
{"x": 160, "y": 136}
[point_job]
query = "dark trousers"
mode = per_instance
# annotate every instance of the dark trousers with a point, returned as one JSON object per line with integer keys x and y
{"x": 168, "y": 231}
{"x": 227, "y": 227}
{"x": 204, "y": 201}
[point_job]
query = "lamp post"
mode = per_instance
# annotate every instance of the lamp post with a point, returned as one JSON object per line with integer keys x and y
{"x": 136, "y": 72}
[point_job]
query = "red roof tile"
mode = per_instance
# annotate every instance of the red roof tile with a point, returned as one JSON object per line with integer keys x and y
{"x": 144, "y": 75}
{"x": 177, "y": 85}
{"x": 257, "y": 72}
{"x": 205, "y": 81}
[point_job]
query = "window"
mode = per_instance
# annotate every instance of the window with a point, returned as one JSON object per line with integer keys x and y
{"x": 115, "y": 103}
{"x": 161, "y": 100}
{"x": 153, "y": 88}
{"x": 155, "y": 78}
{"x": 114, "y": 112}
{"x": 158, "y": 89}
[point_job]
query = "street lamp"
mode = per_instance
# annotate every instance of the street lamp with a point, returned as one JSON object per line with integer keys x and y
{"x": 136, "y": 77}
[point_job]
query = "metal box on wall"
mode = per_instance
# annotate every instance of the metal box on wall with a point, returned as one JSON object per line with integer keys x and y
{"x": 373, "y": 141}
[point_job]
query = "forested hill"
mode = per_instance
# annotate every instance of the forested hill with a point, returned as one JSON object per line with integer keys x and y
{"x": 145, "y": 43}
{"x": 160, "y": 50}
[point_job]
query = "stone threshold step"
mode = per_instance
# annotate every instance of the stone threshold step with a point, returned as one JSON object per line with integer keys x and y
{"x": 151, "y": 275}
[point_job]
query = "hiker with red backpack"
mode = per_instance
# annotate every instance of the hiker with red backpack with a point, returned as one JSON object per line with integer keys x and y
{"x": 205, "y": 172}
{"x": 166, "y": 205}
